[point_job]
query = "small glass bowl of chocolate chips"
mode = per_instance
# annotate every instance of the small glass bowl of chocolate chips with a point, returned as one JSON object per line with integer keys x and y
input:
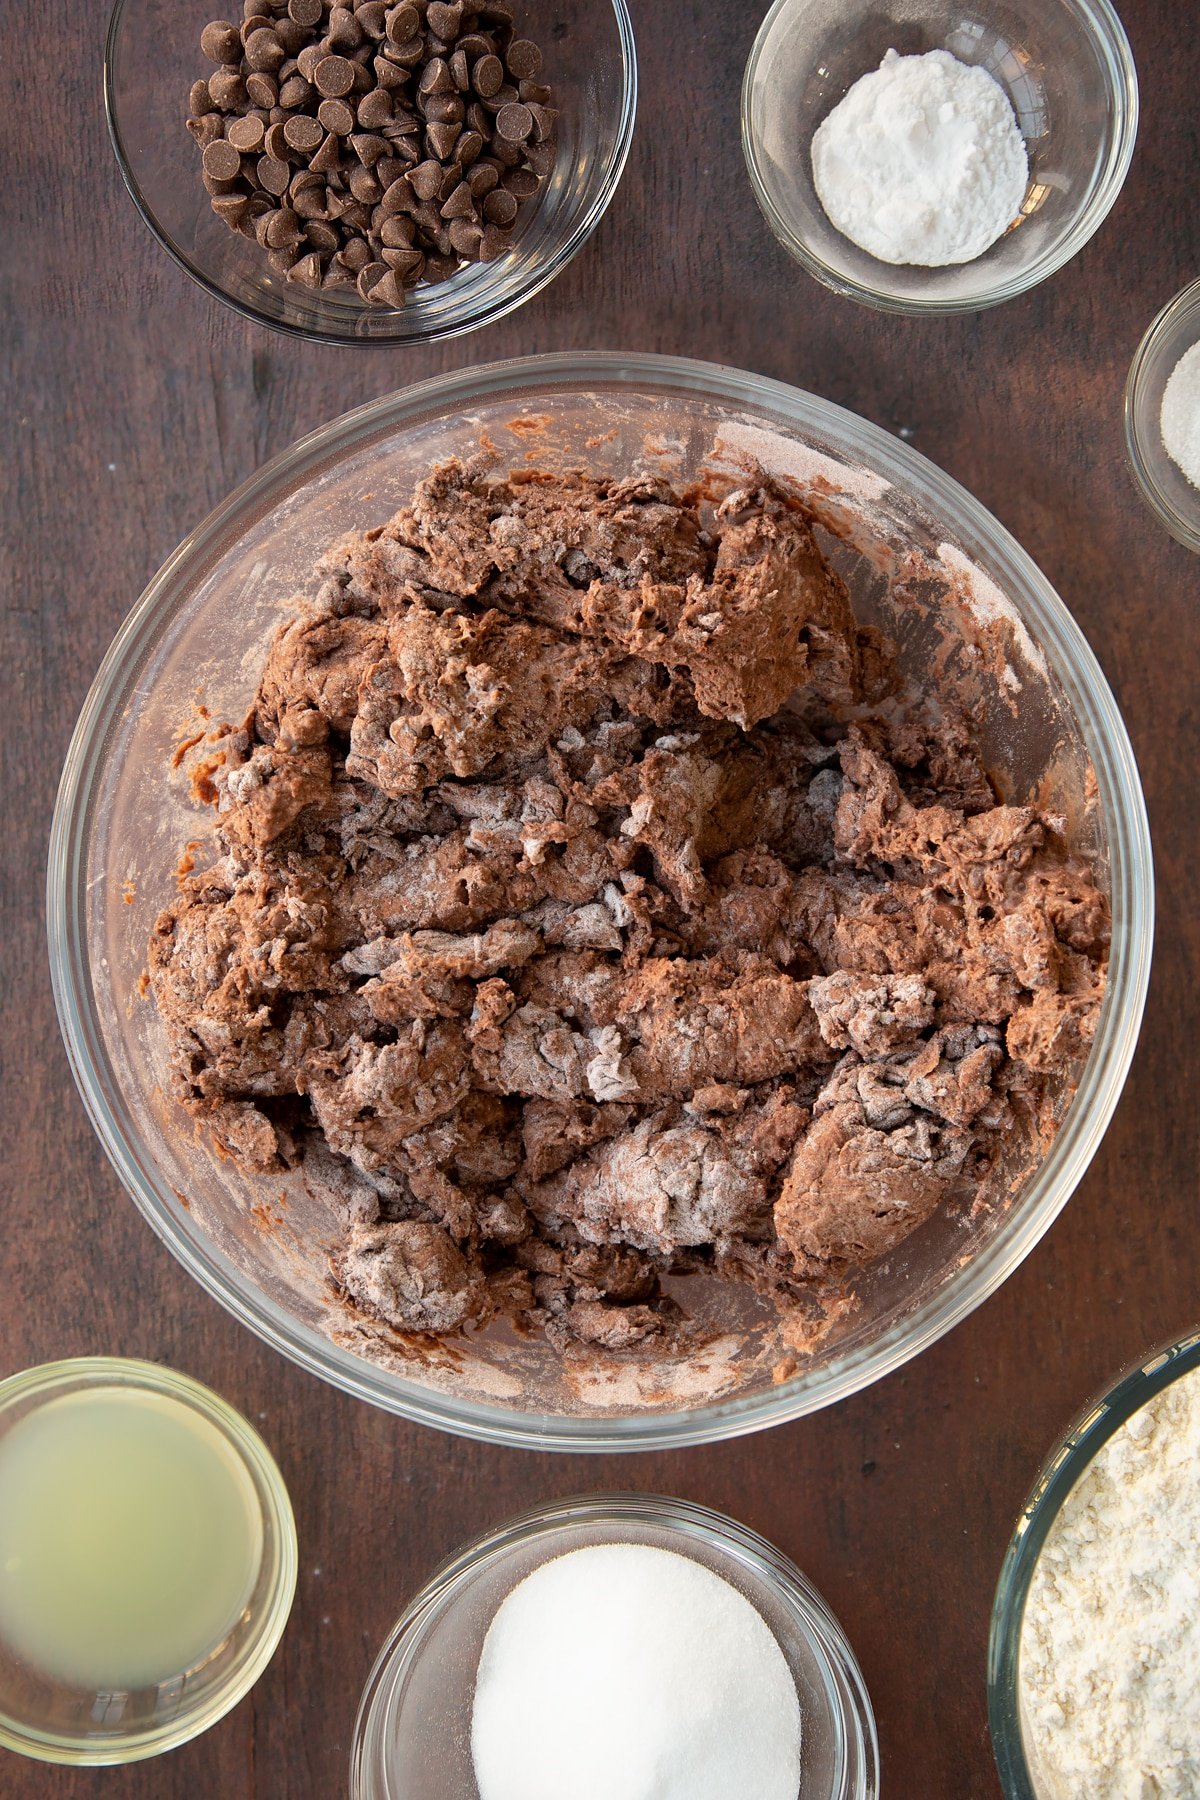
{"x": 372, "y": 171}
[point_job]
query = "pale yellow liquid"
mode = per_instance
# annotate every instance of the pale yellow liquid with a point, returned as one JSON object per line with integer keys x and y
{"x": 130, "y": 1539}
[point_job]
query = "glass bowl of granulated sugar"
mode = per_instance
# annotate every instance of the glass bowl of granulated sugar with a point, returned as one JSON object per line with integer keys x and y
{"x": 922, "y": 160}
{"x": 609, "y": 1647}
{"x": 1094, "y": 1659}
{"x": 1162, "y": 416}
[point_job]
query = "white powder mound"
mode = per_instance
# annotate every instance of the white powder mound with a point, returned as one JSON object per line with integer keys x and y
{"x": 1180, "y": 418}
{"x": 1110, "y": 1646}
{"x": 922, "y": 161}
{"x": 624, "y": 1672}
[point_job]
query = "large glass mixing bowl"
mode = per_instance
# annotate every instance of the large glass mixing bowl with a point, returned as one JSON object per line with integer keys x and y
{"x": 924, "y": 560}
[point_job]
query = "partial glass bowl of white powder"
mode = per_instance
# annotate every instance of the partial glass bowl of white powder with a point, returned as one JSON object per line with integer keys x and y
{"x": 1062, "y": 71}
{"x": 1094, "y": 1655}
{"x": 1162, "y": 416}
{"x": 646, "y": 1672}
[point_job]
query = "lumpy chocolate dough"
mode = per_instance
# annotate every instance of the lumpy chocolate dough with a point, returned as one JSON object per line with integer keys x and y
{"x": 587, "y": 899}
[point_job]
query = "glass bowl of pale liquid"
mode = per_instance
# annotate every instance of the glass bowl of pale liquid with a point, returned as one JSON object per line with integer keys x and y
{"x": 147, "y": 1560}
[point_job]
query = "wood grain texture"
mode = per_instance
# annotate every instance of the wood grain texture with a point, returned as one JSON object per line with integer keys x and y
{"x": 131, "y": 404}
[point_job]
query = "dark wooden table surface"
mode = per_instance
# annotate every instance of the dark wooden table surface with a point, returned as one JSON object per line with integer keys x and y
{"x": 131, "y": 404}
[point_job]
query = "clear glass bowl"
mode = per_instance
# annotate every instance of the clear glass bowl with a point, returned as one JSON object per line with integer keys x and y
{"x": 1086, "y": 1436}
{"x": 1163, "y": 483}
{"x": 1045, "y": 716}
{"x": 1068, "y": 71}
{"x": 151, "y": 60}
{"x": 412, "y": 1740}
{"x": 57, "y": 1723}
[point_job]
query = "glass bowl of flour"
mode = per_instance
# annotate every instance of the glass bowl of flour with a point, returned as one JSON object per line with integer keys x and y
{"x": 924, "y": 158}
{"x": 1094, "y": 1655}
{"x": 612, "y": 1646}
{"x": 1162, "y": 416}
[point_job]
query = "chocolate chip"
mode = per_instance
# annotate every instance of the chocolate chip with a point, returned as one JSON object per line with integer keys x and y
{"x": 322, "y": 236}
{"x": 355, "y": 255}
{"x": 465, "y": 236}
{"x": 407, "y": 263}
{"x": 206, "y": 128}
{"x": 272, "y": 174}
{"x": 327, "y": 160}
{"x": 374, "y": 109}
{"x": 221, "y": 43}
{"x": 403, "y": 24}
{"x": 468, "y": 148}
{"x": 445, "y": 20}
{"x": 227, "y": 90}
{"x": 373, "y": 19}
{"x": 295, "y": 92}
{"x": 245, "y": 134}
{"x": 397, "y": 198}
{"x": 536, "y": 91}
{"x": 441, "y": 139}
{"x": 262, "y": 90}
{"x": 397, "y": 232}
{"x": 199, "y": 99}
{"x": 283, "y": 229}
{"x": 233, "y": 208}
{"x": 303, "y": 133}
{"x": 306, "y": 12}
{"x": 459, "y": 204}
{"x": 281, "y": 260}
{"x": 493, "y": 244}
{"x": 487, "y": 77}
{"x": 306, "y": 271}
{"x": 221, "y": 160}
{"x": 336, "y": 116}
{"x": 264, "y": 52}
{"x": 514, "y": 123}
{"x": 369, "y": 147}
{"x": 309, "y": 57}
{"x": 364, "y": 186}
{"x": 370, "y": 275}
{"x": 542, "y": 157}
{"x": 407, "y": 55}
{"x": 293, "y": 37}
{"x": 311, "y": 202}
{"x": 389, "y": 291}
{"x": 523, "y": 59}
{"x": 425, "y": 180}
{"x": 275, "y": 143}
{"x": 440, "y": 268}
{"x": 483, "y": 178}
{"x": 500, "y": 206}
{"x": 334, "y": 76}
{"x": 460, "y": 70}
{"x": 343, "y": 30}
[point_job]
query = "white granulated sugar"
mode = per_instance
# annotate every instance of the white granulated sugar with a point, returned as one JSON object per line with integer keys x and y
{"x": 625, "y": 1672}
{"x": 1180, "y": 418}
{"x": 1110, "y": 1646}
{"x": 922, "y": 161}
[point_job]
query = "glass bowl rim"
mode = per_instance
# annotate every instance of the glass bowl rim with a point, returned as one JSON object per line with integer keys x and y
{"x": 1090, "y": 1429}
{"x": 1131, "y": 893}
{"x": 1109, "y": 35}
{"x": 841, "y": 1676}
{"x": 1138, "y": 428}
{"x": 47, "y": 1381}
{"x": 526, "y": 278}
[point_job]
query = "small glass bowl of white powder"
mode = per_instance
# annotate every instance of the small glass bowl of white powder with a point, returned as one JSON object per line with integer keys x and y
{"x": 926, "y": 169}
{"x": 1094, "y": 1657}
{"x": 1162, "y": 416}
{"x": 616, "y": 1647}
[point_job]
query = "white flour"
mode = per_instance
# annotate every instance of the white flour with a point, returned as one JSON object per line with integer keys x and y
{"x": 1110, "y": 1647}
{"x": 922, "y": 162}
{"x": 1180, "y": 419}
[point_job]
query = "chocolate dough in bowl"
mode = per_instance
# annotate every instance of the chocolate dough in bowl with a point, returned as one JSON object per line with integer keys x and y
{"x": 685, "y": 884}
